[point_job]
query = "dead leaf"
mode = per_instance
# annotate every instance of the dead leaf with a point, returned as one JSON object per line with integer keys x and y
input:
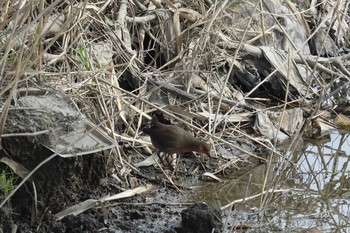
{"x": 342, "y": 120}
{"x": 211, "y": 175}
{"x": 17, "y": 168}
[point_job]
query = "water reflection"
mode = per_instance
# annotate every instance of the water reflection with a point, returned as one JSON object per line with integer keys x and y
{"x": 318, "y": 183}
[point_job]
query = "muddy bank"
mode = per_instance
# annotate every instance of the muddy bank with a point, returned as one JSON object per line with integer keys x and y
{"x": 62, "y": 183}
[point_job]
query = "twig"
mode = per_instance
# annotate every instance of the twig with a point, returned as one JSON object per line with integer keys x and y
{"x": 25, "y": 134}
{"x": 252, "y": 197}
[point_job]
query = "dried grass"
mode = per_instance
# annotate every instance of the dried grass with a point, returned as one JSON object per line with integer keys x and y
{"x": 172, "y": 57}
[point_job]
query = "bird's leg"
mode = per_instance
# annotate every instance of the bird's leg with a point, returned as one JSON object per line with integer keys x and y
{"x": 168, "y": 160}
{"x": 177, "y": 159}
{"x": 160, "y": 158}
{"x": 172, "y": 161}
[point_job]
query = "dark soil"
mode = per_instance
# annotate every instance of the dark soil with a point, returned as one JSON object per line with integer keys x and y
{"x": 64, "y": 182}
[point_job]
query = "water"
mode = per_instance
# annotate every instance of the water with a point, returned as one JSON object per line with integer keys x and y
{"x": 315, "y": 188}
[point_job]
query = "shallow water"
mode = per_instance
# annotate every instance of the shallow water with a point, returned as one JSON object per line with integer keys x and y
{"x": 314, "y": 185}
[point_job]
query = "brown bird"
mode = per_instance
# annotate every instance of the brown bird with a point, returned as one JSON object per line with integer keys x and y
{"x": 172, "y": 139}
